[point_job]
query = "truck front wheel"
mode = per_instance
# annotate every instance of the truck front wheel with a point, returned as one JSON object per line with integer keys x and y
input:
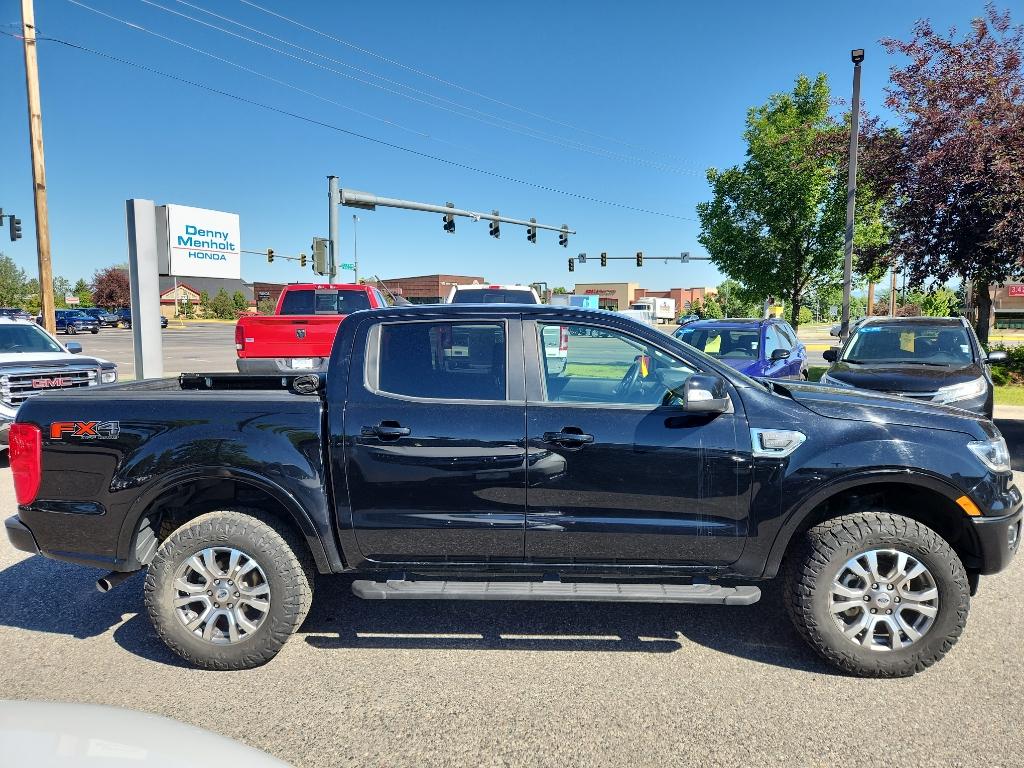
{"x": 227, "y": 589}
{"x": 877, "y": 594}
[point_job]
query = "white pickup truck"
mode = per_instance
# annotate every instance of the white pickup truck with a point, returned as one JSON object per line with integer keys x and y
{"x": 556, "y": 338}
{"x": 32, "y": 361}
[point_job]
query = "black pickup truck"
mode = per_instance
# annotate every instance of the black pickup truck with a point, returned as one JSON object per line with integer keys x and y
{"x": 440, "y": 458}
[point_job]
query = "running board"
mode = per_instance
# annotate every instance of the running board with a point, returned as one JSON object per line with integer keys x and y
{"x": 708, "y": 594}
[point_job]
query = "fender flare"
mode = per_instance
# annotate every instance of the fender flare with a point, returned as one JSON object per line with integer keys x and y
{"x": 296, "y": 511}
{"x": 898, "y": 476}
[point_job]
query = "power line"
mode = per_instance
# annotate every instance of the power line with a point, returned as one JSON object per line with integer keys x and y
{"x": 265, "y": 76}
{"x": 355, "y": 134}
{"x": 451, "y": 84}
{"x": 461, "y": 110}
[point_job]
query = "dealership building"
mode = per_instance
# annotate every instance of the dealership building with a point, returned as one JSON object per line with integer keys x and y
{"x": 428, "y": 289}
{"x": 1008, "y": 306}
{"x": 617, "y": 296}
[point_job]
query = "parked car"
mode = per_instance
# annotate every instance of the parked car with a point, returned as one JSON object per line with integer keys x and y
{"x": 298, "y": 337}
{"x": 103, "y": 316}
{"x": 555, "y": 339}
{"x": 936, "y": 359}
{"x": 73, "y": 321}
{"x": 685, "y": 319}
{"x": 646, "y": 475}
{"x": 755, "y": 347}
{"x": 15, "y": 313}
{"x": 492, "y": 294}
{"x": 33, "y": 361}
{"x": 63, "y": 734}
{"x": 125, "y": 318}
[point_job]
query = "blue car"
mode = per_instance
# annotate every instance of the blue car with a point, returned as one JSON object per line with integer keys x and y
{"x": 755, "y": 347}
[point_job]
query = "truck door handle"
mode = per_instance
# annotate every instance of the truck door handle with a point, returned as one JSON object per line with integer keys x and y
{"x": 569, "y": 436}
{"x": 387, "y": 430}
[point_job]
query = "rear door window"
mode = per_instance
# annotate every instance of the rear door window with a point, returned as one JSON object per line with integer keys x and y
{"x": 313, "y": 302}
{"x": 448, "y": 361}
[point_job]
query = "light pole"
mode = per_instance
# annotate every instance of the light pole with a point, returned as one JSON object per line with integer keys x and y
{"x": 355, "y": 247}
{"x": 856, "y": 56}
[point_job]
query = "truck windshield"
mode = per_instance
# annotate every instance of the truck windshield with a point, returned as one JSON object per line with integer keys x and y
{"x": 26, "y": 338}
{"x": 310, "y": 302}
{"x": 492, "y": 296}
{"x": 910, "y": 343}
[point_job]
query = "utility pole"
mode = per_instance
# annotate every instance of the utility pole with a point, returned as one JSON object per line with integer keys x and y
{"x": 892, "y": 294}
{"x": 35, "y": 132}
{"x": 857, "y": 56}
{"x": 355, "y": 248}
{"x": 334, "y": 233}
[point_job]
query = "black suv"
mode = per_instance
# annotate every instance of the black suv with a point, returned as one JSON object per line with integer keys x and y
{"x": 935, "y": 359}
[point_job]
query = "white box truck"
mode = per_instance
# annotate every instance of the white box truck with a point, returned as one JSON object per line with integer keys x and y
{"x": 662, "y": 310}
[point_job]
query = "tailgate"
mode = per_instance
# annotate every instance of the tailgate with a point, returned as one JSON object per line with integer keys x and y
{"x": 286, "y": 336}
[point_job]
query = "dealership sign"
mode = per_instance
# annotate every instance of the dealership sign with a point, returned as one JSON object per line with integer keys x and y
{"x": 196, "y": 242}
{"x": 1016, "y": 290}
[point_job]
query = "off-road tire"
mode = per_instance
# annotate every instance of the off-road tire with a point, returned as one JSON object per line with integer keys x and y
{"x": 284, "y": 559}
{"x": 823, "y": 550}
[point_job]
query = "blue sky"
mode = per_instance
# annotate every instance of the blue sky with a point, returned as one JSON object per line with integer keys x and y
{"x": 634, "y": 101}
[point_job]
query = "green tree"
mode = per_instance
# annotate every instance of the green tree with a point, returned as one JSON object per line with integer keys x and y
{"x": 61, "y": 288}
{"x": 204, "y": 303}
{"x": 266, "y": 307}
{"x": 736, "y": 300}
{"x": 12, "y": 283}
{"x": 712, "y": 308}
{"x": 697, "y": 308}
{"x": 241, "y": 303}
{"x": 82, "y": 291}
{"x": 776, "y": 222}
{"x": 221, "y": 305}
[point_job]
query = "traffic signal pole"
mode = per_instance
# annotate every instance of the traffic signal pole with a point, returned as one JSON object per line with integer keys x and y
{"x": 35, "y": 131}
{"x": 334, "y": 229}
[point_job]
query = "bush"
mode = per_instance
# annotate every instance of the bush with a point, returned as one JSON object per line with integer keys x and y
{"x": 1000, "y": 376}
{"x": 1010, "y": 371}
{"x": 805, "y": 316}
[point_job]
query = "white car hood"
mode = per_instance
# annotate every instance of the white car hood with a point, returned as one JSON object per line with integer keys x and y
{"x": 33, "y": 358}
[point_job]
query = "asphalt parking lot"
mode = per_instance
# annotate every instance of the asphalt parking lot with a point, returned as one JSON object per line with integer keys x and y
{"x": 482, "y": 684}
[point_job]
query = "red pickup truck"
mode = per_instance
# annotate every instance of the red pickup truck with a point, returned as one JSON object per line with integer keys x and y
{"x": 298, "y": 337}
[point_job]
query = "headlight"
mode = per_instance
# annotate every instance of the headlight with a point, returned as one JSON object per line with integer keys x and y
{"x": 108, "y": 377}
{"x": 830, "y": 382}
{"x": 963, "y": 391}
{"x": 993, "y": 453}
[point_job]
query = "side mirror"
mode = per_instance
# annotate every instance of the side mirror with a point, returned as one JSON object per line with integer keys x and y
{"x": 779, "y": 354}
{"x": 996, "y": 357}
{"x": 835, "y": 330}
{"x": 74, "y": 347}
{"x": 704, "y": 393}
{"x": 831, "y": 355}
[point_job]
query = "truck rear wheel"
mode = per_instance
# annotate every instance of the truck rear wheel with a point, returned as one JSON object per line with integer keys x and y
{"x": 227, "y": 589}
{"x": 877, "y": 594}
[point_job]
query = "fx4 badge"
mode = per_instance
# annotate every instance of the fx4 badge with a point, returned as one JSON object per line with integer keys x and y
{"x": 89, "y": 430}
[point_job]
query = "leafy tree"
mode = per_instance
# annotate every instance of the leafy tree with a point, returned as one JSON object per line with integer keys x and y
{"x": 241, "y": 303}
{"x": 81, "y": 290}
{"x": 204, "y": 303}
{"x": 697, "y": 308}
{"x": 959, "y": 207}
{"x": 31, "y": 301}
{"x": 61, "y": 288}
{"x": 941, "y": 302}
{"x": 265, "y": 307}
{"x": 736, "y": 300}
{"x": 221, "y": 305}
{"x": 559, "y": 289}
{"x": 12, "y": 283}
{"x": 111, "y": 289}
{"x": 712, "y": 308}
{"x": 777, "y": 221}
{"x": 806, "y": 316}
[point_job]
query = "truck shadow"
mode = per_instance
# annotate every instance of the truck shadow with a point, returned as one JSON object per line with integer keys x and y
{"x": 760, "y": 632}
{"x": 42, "y": 595}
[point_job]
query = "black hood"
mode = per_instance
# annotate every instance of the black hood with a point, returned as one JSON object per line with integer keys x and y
{"x": 901, "y": 377}
{"x": 859, "y": 405}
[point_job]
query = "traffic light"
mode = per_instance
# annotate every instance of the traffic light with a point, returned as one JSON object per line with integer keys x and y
{"x": 495, "y": 229}
{"x": 270, "y": 255}
{"x": 531, "y": 231}
{"x": 604, "y": 259}
{"x": 563, "y": 236}
{"x": 572, "y": 265}
{"x": 302, "y": 260}
{"x": 449, "y": 221}
{"x": 319, "y": 248}
{"x": 15, "y": 228}
{"x": 639, "y": 258}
